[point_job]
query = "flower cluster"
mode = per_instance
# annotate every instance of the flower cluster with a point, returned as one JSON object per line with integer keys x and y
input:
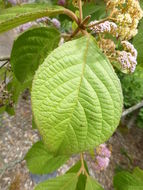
{"x": 43, "y": 19}
{"x": 25, "y": 26}
{"x": 105, "y": 27}
{"x": 126, "y": 14}
{"x": 102, "y": 158}
{"x": 55, "y": 22}
{"x": 127, "y": 61}
{"x": 15, "y": 2}
{"x": 127, "y": 57}
{"x": 123, "y": 22}
{"x": 129, "y": 48}
{"x": 28, "y": 25}
{"x": 107, "y": 46}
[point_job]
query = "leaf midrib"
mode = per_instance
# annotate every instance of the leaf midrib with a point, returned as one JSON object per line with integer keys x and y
{"x": 82, "y": 74}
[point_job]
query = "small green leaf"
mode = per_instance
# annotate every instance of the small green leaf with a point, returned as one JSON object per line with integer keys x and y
{"x": 92, "y": 184}
{"x": 17, "y": 15}
{"x": 129, "y": 181}
{"x": 16, "y": 88}
{"x": 76, "y": 97}
{"x": 30, "y": 49}
{"x": 65, "y": 182}
{"x": 10, "y": 110}
{"x": 40, "y": 161}
{"x": 2, "y": 109}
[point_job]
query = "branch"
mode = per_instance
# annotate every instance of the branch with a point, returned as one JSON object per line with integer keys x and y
{"x": 80, "y": 10}
{"x": 82, "y": 168}
{"x": 100, "y": 21}
{"x": 4, "y": 64}
{"x": 71, "y": 15}
{"x": 80, "y": 27}
{"x": 4, "y": 58}
{"x": 133, "y": 108}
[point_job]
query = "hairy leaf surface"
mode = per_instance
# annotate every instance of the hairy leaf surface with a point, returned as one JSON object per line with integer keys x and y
{"x": 30, "y": 49}
{"x": 76, "y": 97}
{"x": 17, "y": 15}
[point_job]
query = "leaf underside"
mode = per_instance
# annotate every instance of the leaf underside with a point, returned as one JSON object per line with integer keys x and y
{"x": 76, "y": 97}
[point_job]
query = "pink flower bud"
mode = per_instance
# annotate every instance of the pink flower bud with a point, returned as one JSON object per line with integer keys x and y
{"x": 13, "y": 2}
{"x": 43, "y": 19}
{"x": 56, "y": 23}
{"x": 102, "y": 150}
{"x": 25, "y": 26}
{"x": 62, "y": 2}
{"x": 101, "y": 163}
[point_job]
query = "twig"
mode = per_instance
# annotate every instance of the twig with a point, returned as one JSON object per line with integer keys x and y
{"x": 80, "y": 10}
{"x": 84, "y": 32}
{"x": 71, "y": 15}
{"x": 101, "y": 21}
{"x": 133, "y": 108}
{"x": 80, "y": 27}
{"x": 92, "y": 25}
{"x": 4, "y": 64}
{"x": 85, "y": 21}
{"x": 65, "y": 35}
{"x": 82, "y": 169}
{"x": 74, "y": 33}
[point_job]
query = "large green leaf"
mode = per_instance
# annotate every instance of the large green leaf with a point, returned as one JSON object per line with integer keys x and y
{"x": 40, "y": 161}
{"x": 65, "y": 182}
{"x": 17, "y": 15}
{"x": 92, "y": 184}
{"x": 129, "y": 181}
{"x": 76, "y": 97}
{"x": 30, "y": 49}
{"x": 138, "y": 43}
